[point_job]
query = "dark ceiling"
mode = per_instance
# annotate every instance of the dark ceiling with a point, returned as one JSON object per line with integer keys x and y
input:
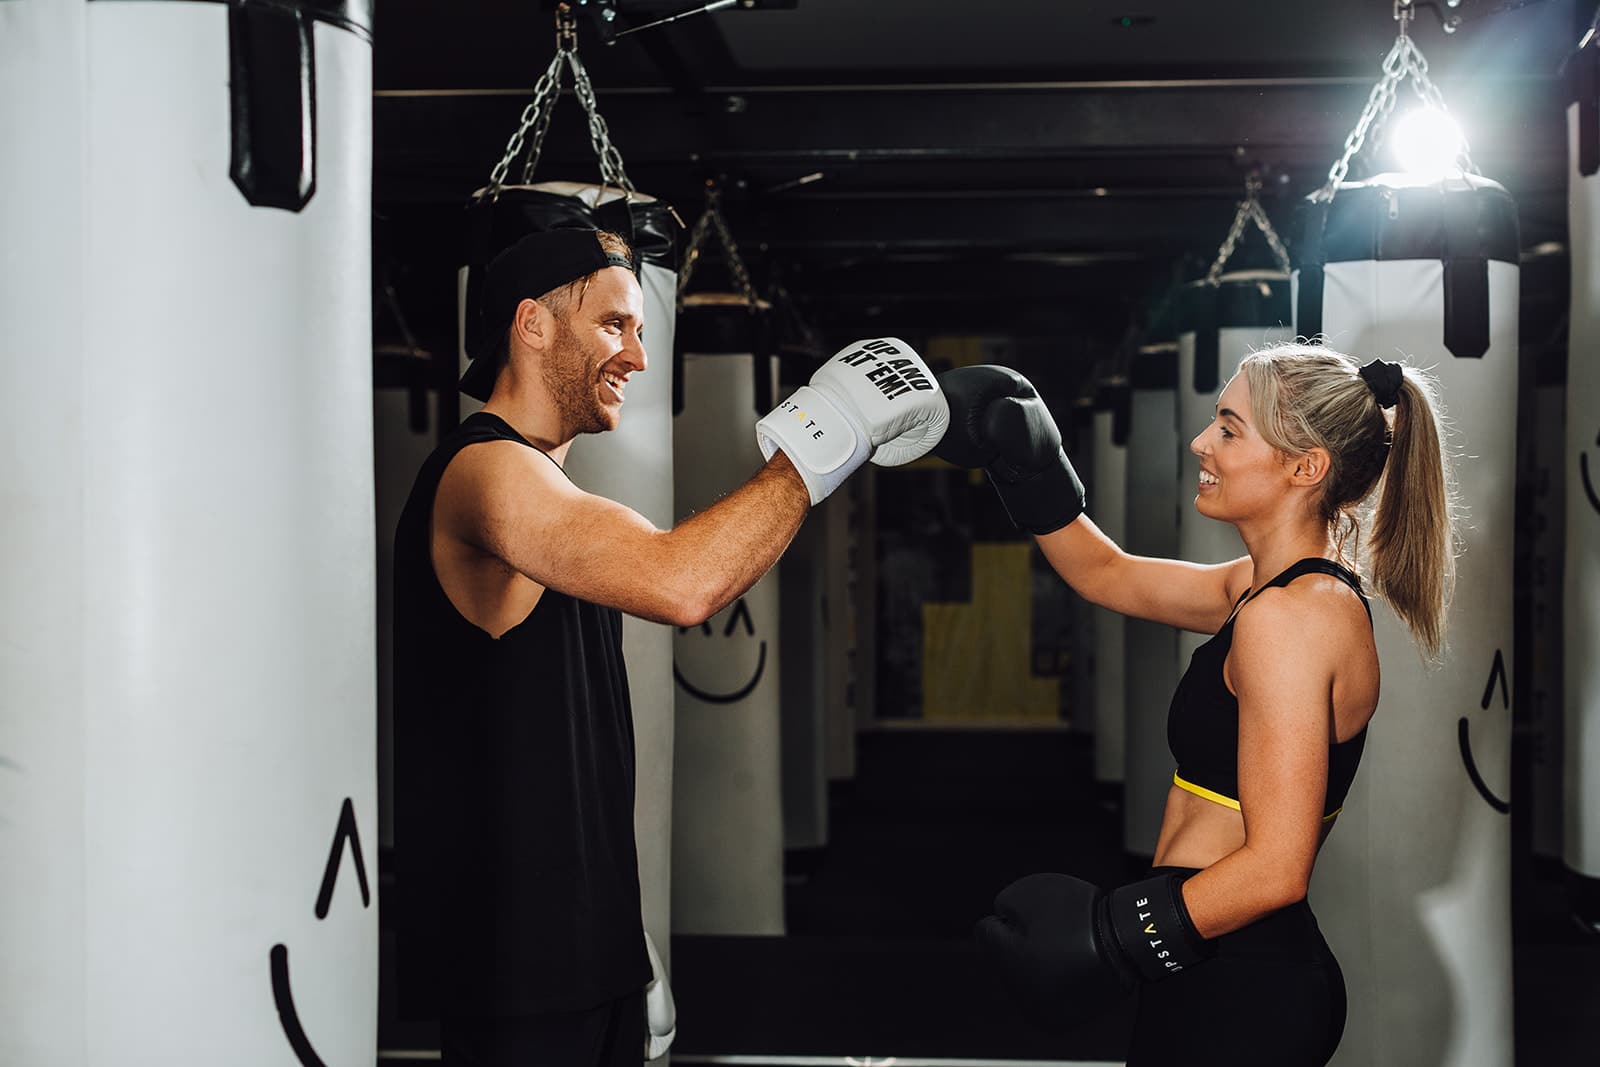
{"x": 1033, "y": 168}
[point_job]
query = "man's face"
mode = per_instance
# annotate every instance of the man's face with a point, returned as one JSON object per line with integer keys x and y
{"x": 598, "y": 343}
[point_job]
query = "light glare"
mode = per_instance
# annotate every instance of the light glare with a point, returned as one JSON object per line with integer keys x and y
{"x": 1428, "y": 143}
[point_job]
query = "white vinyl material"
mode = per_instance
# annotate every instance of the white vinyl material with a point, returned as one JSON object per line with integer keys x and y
{"x": 186, "y": 630}
{"x": 1152, "y": 648}
{"x": 1108, "y": 509}
{"x": 1581, "y": 844}
{"x": 1202, "y": 539}
{"x": 1412, "y": 888}
{"x": 727, "y": 842}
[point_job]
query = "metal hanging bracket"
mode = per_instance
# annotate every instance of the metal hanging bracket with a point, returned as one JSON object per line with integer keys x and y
{"x": 1250, "y": 211}
{"x": 712, "y": 222}
{"x": 1404, "y": 63}
{"x": 535, "y": 121}
{"x": 704, "y": 9}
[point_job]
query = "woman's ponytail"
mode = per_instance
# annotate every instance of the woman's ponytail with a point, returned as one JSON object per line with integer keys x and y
{"x": 1413, "y": 537}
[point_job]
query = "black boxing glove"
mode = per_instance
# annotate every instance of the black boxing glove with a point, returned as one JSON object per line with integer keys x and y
{"x": 1066, "y": 951}
{"x": 999, "y": 423}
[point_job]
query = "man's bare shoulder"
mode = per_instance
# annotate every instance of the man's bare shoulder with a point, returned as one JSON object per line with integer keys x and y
{"x": 494, "y": 465}
{"x": 492, "y": 477}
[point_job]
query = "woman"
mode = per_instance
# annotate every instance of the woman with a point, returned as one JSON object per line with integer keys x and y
{"x": 1267, "y": 724}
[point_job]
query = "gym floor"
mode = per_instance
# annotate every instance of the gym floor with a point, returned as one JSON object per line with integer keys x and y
{"x": 878, "y": 961}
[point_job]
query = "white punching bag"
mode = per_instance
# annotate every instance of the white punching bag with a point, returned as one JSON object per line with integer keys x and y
{"x": 1108, "y": 509}
{"x": 727, "y": 842}
{"x": 631, "y": 465}
{"x": 1581, "y": 844}
{"x": 1413, "y": 886}
{"x": 1218, "y": 325}
{"x": 187, "y": 787}
{"x": 1152, "y": 648}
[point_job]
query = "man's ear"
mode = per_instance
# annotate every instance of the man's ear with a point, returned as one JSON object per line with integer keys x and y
{"x": 531, "y": 324}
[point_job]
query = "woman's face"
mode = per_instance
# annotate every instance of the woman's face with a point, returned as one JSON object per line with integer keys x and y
{"x": 1240, "y": 474}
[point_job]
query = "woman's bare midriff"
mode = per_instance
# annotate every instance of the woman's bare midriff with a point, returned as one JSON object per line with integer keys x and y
{"x": 1196, "y": 832}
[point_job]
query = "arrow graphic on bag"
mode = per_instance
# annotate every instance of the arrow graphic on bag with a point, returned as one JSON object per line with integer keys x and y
{"x": 282, "y": 995}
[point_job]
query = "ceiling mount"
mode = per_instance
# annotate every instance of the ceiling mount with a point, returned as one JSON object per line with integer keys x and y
{"x": 609, "y": 15}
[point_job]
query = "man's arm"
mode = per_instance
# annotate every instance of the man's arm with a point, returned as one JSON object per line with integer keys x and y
{"x": 873, "y": 399}
{"x": 514, "y": 504}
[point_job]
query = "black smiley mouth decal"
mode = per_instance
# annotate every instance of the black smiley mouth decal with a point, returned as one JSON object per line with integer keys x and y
{"x": 282, "y": 995}
{"x": 1583, "y": 475}
{"x": 740, "y": 611}
{"x": 1496, "y": 672}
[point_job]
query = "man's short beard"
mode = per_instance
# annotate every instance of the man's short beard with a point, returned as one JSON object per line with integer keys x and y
{"x": 571, "y": 383}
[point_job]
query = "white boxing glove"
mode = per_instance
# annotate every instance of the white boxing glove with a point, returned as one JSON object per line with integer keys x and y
{"x": 874, "y": 399}
{"x": 660, "y": 1013}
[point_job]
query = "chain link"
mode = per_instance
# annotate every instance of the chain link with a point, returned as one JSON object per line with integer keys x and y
{"x": 1404, "y": 63}
{"x": 535, "y": 120}
{"x": 1264, "y": 224}
{"x": 611, "y": 170}
{"x": 1250, "y": 211}
{"x": 711, "y": 220}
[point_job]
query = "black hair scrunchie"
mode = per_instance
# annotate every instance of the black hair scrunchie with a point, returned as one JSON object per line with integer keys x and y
{"x": 1384, "y": 379}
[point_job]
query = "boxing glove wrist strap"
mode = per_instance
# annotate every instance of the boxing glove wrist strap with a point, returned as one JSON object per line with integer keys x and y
{"x": 824, "y": 445}
{"x": 1043, "y": 502}
{"x": 1152, "y": 929}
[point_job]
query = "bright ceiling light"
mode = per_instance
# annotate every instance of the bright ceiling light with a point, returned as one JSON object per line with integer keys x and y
{"x": 1428, "y": 143}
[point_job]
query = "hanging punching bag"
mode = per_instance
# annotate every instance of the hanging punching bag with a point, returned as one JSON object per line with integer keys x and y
{"x": 1581, "y": 845}
{"x": 187, "y": 795}
{"x": 727, "y": 844}
{"x": 1413, "y": 885}
{"x": 1109, "y": 511}
{"x": 631, "y": 465}
{"x": 1152, "y": 648}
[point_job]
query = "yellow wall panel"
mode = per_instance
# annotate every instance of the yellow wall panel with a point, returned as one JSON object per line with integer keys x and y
{"x": 976, "y": 656}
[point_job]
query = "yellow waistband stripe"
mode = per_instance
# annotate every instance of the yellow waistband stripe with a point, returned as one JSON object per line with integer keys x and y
{"x": 1226, "y": 801}
{"x": 1202, "y": 791}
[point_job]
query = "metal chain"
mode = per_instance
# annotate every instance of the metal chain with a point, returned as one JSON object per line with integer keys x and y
{"x": 1405, "y": 62}
{"x": 536, "y": 116}
{"x": 711, "y": 220}
{"x": 1431, "y": 97}
{"x": 611, "y": 170}
{"x": 1379, "y": 101}
{"x": 1250, "y": 211}
{"x": 1264, "y": 224}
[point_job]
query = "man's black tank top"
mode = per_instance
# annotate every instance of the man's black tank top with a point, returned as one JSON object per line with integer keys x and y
{"x": 1203, "y": 720}
{"x": 516, "y": 872}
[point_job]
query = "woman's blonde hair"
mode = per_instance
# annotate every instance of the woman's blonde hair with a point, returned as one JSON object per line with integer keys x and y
{"x": 1306, "y": 396}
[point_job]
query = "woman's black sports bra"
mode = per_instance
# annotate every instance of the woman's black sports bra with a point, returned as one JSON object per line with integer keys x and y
{"x": 1203, "y": 721}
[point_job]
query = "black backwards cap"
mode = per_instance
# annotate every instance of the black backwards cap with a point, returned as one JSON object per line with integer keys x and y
{"x": 532, "y": 267}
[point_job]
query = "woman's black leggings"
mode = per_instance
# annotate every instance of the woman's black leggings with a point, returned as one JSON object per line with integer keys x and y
{"x": 1273, "y": 996}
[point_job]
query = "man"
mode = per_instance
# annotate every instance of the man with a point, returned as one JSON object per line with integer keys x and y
{"x": 518, "y": 883}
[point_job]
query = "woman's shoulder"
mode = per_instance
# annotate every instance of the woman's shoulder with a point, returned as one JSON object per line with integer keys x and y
{"x": 1315, "y": 603}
